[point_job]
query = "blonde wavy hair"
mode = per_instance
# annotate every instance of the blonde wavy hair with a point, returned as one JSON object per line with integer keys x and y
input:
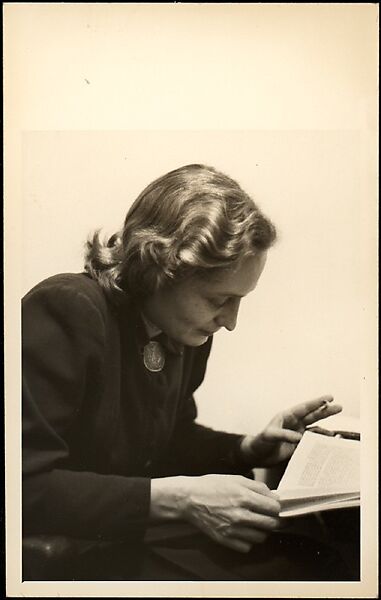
{"x": 184, "y": 223}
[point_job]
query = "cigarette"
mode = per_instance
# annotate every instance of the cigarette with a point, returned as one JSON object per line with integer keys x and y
{"x": 324, "y": 406}
{"x": 349, "y": 435}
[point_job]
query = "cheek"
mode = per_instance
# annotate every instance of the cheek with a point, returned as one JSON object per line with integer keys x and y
{"x": 203, "y": 314}
{"x": 196, "y": 313}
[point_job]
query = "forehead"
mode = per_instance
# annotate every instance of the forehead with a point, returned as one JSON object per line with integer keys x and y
{"x": 235, "y": 281}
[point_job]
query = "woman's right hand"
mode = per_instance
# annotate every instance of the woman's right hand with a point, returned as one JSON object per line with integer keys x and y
{"x": 232, "y": 510}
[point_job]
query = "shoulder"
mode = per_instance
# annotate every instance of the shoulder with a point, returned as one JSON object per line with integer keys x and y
{"x": 75, "y": 284}
{"x": 77, "y": 293}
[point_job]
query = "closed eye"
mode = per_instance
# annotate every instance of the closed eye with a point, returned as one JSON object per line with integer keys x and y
{"x": 218, "y": 302}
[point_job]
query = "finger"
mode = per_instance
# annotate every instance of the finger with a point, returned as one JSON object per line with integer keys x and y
{"x": 261, "y": 499}
{"x": 250, "y": 534}
{"x": 251, "y": 519}
{"x": 258, "y": 486}
{"x": 301, "y": 410}
{"x": 264, "y": 505}
{"x": 278, "y": 434}
{"x": 322, "y": 413}
{"x": 235, "y": 544}
{"x": 322, "y": 431}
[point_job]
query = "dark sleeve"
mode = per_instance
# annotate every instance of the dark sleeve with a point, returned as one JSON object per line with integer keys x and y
{"x": 196, "y": 449}
{"x": 63, "y": 341}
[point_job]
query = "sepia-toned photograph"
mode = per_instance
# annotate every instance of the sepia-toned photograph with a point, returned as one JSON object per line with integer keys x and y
{"x": 191, "y": 299}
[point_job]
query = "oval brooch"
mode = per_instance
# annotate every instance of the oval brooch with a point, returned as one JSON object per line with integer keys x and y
{"x": 153, "y": 356}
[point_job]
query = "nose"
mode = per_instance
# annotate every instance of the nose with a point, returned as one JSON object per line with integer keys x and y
{"x": 228, "y": 317}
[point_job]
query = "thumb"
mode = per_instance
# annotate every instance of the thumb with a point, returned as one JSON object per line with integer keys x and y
{"x": 282, "y": 435}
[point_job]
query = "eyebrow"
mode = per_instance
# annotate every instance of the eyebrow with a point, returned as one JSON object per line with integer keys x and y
{"x": 230, "y": 295}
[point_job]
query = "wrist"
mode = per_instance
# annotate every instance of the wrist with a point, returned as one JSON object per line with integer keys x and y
{"x": 247, "y": 450}
{"x": 169, "y": 498}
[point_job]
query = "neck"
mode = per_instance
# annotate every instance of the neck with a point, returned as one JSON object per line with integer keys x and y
{"x": 152, "y": 329}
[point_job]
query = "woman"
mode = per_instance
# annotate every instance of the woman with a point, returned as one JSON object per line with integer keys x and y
{"x": 113, "y": 356}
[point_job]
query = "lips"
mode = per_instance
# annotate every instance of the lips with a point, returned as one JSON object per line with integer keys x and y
{"x": 208, "y": 333}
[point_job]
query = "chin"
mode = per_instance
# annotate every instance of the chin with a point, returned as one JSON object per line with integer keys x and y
{"x": 191, "y": 338}
{"x": 196, "y": 340}
{"x": 201, "y": 342}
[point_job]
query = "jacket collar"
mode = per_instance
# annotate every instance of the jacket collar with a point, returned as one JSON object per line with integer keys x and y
{"x": 148, "y": 331}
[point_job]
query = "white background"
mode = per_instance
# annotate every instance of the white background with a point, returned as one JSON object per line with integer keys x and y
{"x": 305, "y": 330}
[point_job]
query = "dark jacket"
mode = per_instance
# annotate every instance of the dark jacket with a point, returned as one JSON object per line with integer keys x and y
{"x": 97, "y": 425}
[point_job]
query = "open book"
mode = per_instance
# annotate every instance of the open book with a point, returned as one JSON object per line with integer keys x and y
{"x": 322, "y": 474}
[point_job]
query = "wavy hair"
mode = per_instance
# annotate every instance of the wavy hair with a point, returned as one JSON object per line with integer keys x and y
{"x": 186, "y": 222}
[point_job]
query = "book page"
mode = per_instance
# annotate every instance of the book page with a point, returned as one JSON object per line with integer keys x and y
{"x": 304, "y": 508}
{"x": 322, "y": 463}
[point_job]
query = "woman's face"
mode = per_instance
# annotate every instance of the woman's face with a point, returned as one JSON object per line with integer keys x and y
{"x": 192, "y": 310}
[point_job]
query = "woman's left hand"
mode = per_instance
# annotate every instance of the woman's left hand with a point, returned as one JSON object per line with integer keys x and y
{"x": 278, "y": 440}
